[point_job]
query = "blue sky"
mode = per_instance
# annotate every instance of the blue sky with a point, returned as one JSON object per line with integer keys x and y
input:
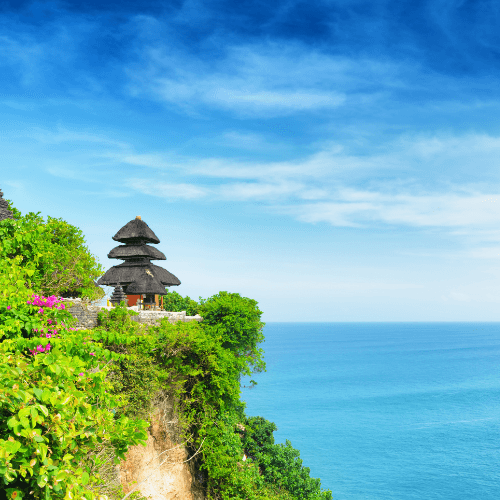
{"x": 334, "y": 160}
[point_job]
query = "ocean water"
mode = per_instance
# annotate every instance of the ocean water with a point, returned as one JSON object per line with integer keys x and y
{"x": 387, "y": 411}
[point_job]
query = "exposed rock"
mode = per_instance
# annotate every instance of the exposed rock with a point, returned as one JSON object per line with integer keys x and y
{"x": 158, "y": 474}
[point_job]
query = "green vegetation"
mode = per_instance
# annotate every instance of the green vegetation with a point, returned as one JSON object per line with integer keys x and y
{"x": 55, "y": 251}
{"x": 55, "y": 397}
{"x": 173, "y": 301}
{"x": 73, "y": 401}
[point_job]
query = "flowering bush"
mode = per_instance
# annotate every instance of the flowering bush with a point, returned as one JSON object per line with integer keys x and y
{"x": 22, "y": 313}
{"x": 55, "y": 402}
{"x": 55, "y": 411}
{"x": 52, "y": 326}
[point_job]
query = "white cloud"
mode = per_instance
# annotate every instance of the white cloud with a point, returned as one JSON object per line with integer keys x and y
{"x": 259, "y": 190}
{"x": 364, "y": 208}
{"x": 257, "y": 80}
{"x": 325, "y": 186}
{"x": 169, "y": 191}
{"x": 62, "y": 135}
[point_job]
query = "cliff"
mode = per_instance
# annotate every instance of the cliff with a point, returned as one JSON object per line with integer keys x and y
{"x": 162, "y": 469}
{"x": 122, "y": 404}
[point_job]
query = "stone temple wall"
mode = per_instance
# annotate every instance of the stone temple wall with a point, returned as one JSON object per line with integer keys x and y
{"x": 86, "y": 314}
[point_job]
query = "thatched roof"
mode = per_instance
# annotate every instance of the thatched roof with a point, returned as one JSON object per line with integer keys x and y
{"x": 5, "y": 213}
{"x": 127, "y": 252}
{"x": 146, "y": 283}
{"x": 129, "y": 272}
{"x": 136, "y": 231}
{"x": 137, "y": 275}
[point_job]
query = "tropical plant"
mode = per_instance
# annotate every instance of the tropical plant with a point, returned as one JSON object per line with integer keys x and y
{"x": 55, "y": 250}
{"x": 173, "y": 301}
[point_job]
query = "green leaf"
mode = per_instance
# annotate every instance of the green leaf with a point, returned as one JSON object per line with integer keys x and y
{"x": 44, "y": 410}
{"x": 24, "y": 412}
{"x": 25, "y": 422}
{"x": 12, "y": 422}
{"x": 42, "y": 480}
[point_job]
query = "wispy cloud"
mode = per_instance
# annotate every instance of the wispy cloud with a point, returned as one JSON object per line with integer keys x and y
{"x": 63, "y": 135}
{"x": 167, "y": 190}
{"x": 258, "y": 80}
{"x": 365, "y": 208}
{"x": 344, "y": 189}
{"x": 249, "y": 141}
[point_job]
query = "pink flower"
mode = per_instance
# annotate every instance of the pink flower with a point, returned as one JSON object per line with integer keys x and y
{"x": 8, "y": 307}
{"x": 81, "y": 374}
{"x": 40, "y": 310}
{"x": 92, "y": 353}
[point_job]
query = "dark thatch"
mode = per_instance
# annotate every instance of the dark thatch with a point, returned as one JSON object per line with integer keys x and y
{"x": 127, "y": 252}
{"x": 147, "y": 284}
{"x": 128, "y": 272}
{"x": 137, "y": 275}
{"x": 136, "y": 231}
{"x": 5, "y": 213}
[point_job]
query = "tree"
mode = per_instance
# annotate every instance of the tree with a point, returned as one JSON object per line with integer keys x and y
{"x": 235, "y": 321}
{"x": 56, "y": 250}
{"x": 174, "y": 301}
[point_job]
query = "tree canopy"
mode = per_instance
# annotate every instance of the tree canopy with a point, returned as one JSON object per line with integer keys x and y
{"x": 55, "y": 250}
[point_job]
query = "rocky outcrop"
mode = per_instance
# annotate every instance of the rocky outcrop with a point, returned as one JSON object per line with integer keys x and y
{"x": 162, "y": 470}
{"x": 159, "y": 470}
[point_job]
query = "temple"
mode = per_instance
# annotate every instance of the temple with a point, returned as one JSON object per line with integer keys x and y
{"x": 140, "y": 280}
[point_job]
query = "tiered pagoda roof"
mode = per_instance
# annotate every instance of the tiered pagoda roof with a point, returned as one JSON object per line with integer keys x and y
{"x": 137, "y": 275}
{"x": 5, "y": 213}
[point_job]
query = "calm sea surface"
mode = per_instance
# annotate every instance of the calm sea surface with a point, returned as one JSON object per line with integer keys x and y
{"x": 387, "y": 411}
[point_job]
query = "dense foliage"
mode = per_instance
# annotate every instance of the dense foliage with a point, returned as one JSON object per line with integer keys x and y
{"x": 201, "y": 365}
{"x": 73, "y": 401}
{"x": 55, "y": 397}
{"x": 174, "y": 301}
{"x": 55, "y": 251}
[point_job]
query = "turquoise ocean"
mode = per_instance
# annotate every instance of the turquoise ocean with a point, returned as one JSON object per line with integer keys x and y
{"x": 387, "y": 411}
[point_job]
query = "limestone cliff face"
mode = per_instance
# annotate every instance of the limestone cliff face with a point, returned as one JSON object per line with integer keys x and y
{"x": 159, "y": 470}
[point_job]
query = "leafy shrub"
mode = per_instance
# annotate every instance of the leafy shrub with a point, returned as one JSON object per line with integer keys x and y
{"x": 173, "y": 301}
{"x": 55, "y": 403}
{"x": 56, "y": 253}
{"x": 53, "y": 412}
{"x": 280, "y": 464}
{"x": 235, "y": 322}
{"x": 20, "y": 316}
